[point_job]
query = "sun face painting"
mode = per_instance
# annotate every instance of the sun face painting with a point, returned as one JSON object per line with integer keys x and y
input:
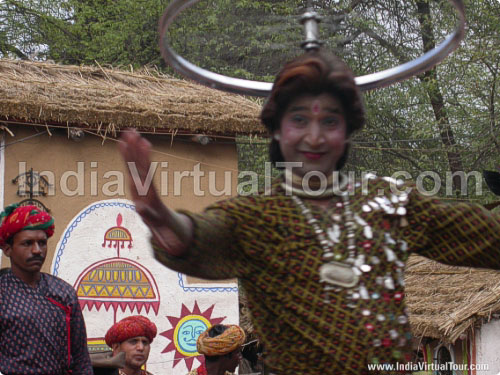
{"x": 185, "y": 331}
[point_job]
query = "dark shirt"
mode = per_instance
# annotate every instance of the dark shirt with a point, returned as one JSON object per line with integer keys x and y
{"x": 42, "y": 330}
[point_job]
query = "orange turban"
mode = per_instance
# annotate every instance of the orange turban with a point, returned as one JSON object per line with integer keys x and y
{"x": 16, "y": 218}
{"x": 132, "y": 326}
{"x": 231, "y": 339}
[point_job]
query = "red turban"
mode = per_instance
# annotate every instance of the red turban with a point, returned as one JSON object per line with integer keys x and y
{"x": 132, "y": 326}
{"x": 16, "y": 218}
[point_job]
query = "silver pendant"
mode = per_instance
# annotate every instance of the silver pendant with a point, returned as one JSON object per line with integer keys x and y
{"x": 389, "y": 282}
{"x": 334, "y": 233}
{"x": 401, "y": 211}
{"x": 337, "y": 273}
{"x": 359, "y": 220}
{"x": 337, "y": 218}
{"x": 363, "y": 292}
{"x": 391, "y": 257}
{"x": 368, "y": 233}
{"x": 360, "y": 260}
{"x": 388, "y": 239}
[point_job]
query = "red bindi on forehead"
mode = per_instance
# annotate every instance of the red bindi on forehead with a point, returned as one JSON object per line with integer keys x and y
{"x": 315, "y": 108}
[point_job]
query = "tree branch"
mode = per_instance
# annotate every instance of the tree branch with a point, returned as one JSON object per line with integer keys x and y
{"x": 6, "y": 48}
{"x": 25, "y": 10}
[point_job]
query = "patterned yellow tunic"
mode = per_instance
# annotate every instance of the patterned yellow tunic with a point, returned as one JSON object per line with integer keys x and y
{"x": 268, "y": 244}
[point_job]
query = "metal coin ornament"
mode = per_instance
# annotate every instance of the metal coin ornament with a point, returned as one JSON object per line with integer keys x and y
{"x": 340, "y": 274}
{"x": 310, "y": 20}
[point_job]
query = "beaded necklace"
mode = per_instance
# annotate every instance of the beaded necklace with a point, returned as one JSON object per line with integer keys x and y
{"x": 340, "y": 271}
{"x": 345, "y": 273}
{"x": 336, "y": 272}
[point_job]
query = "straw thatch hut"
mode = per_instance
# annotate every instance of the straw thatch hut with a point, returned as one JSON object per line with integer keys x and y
{"x": 107, "y": 100}
{"x": 454, "y": 313}
{"x": 59, "y": 145}
{"x": 63, "y": 115}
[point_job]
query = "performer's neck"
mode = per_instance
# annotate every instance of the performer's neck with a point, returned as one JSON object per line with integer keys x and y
{"x": 315, "y": 187}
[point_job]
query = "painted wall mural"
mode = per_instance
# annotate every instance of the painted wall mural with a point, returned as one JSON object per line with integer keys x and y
{"x": 185, "y": 331}
{"x": 105, "y": 254}
{"x": 118, "y": 283}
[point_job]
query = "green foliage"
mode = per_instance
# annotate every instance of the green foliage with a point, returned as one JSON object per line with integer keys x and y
{"x": 122, "y": 32}
{"x": 436, "y": 122}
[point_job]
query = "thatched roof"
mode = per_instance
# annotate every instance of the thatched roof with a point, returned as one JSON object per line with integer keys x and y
{"x": 445, "y": 301}
{"x": 109, "y": 100}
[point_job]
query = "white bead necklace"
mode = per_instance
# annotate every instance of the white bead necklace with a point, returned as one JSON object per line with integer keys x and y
{"x": 336, "y": 272}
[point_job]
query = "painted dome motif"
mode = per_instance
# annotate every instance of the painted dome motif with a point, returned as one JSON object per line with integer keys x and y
{"x": 117, "y": 282}
{"x": 117, "y": 236}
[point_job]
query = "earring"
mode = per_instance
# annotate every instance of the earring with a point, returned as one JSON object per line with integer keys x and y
{"x": 276, "y": 137}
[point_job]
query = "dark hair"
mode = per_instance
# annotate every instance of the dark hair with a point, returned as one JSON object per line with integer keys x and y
{"x": 314, "y": 73}
{"x": 215, "y": 331}
{"x": 10, "y": 240}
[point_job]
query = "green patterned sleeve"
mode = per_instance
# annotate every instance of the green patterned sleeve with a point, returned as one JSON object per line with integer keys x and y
{"x": 215, "y": 253}
{"x": 459, "y": 234}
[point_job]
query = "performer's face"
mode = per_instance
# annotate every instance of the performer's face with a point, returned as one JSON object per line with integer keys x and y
{"x": 27, "y": 252}
{"x": 313, "y": 132}
{"x": 136, "y": 351}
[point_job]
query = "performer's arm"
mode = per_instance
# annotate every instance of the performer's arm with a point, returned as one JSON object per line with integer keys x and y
{"x": 457, "y": 234}
{"x": 205, "y": 245}
{"x": 172, "y": 231}
{"x": 80, "y": 360}
{"x": 214, "y": 252}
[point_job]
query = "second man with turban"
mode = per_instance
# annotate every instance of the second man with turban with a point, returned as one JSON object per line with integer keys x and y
{"x": 132, "y": 335}
{"x": 221, "y": 346}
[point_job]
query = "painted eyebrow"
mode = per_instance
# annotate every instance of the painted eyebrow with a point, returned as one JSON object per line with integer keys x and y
{"x": 334, "y": 110}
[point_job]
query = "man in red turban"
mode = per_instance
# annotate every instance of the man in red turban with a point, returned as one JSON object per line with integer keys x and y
{"x": 132, "y": 335}
{"x": 16, "y": 218}
{"x": 41, "y": 324}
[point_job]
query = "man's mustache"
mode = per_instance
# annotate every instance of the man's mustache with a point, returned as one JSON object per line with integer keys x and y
{"x": 36, "y": 258}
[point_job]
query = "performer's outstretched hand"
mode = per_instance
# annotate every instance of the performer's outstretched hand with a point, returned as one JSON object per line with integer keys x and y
{"x": 170, "y": 230}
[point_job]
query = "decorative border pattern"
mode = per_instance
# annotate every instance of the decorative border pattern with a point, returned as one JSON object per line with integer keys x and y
{"x": 204, "y": 289}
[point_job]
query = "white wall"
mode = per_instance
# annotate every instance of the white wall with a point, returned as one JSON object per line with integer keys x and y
{"x": 183, "y": 306}
{"x": 488, "y": 347}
